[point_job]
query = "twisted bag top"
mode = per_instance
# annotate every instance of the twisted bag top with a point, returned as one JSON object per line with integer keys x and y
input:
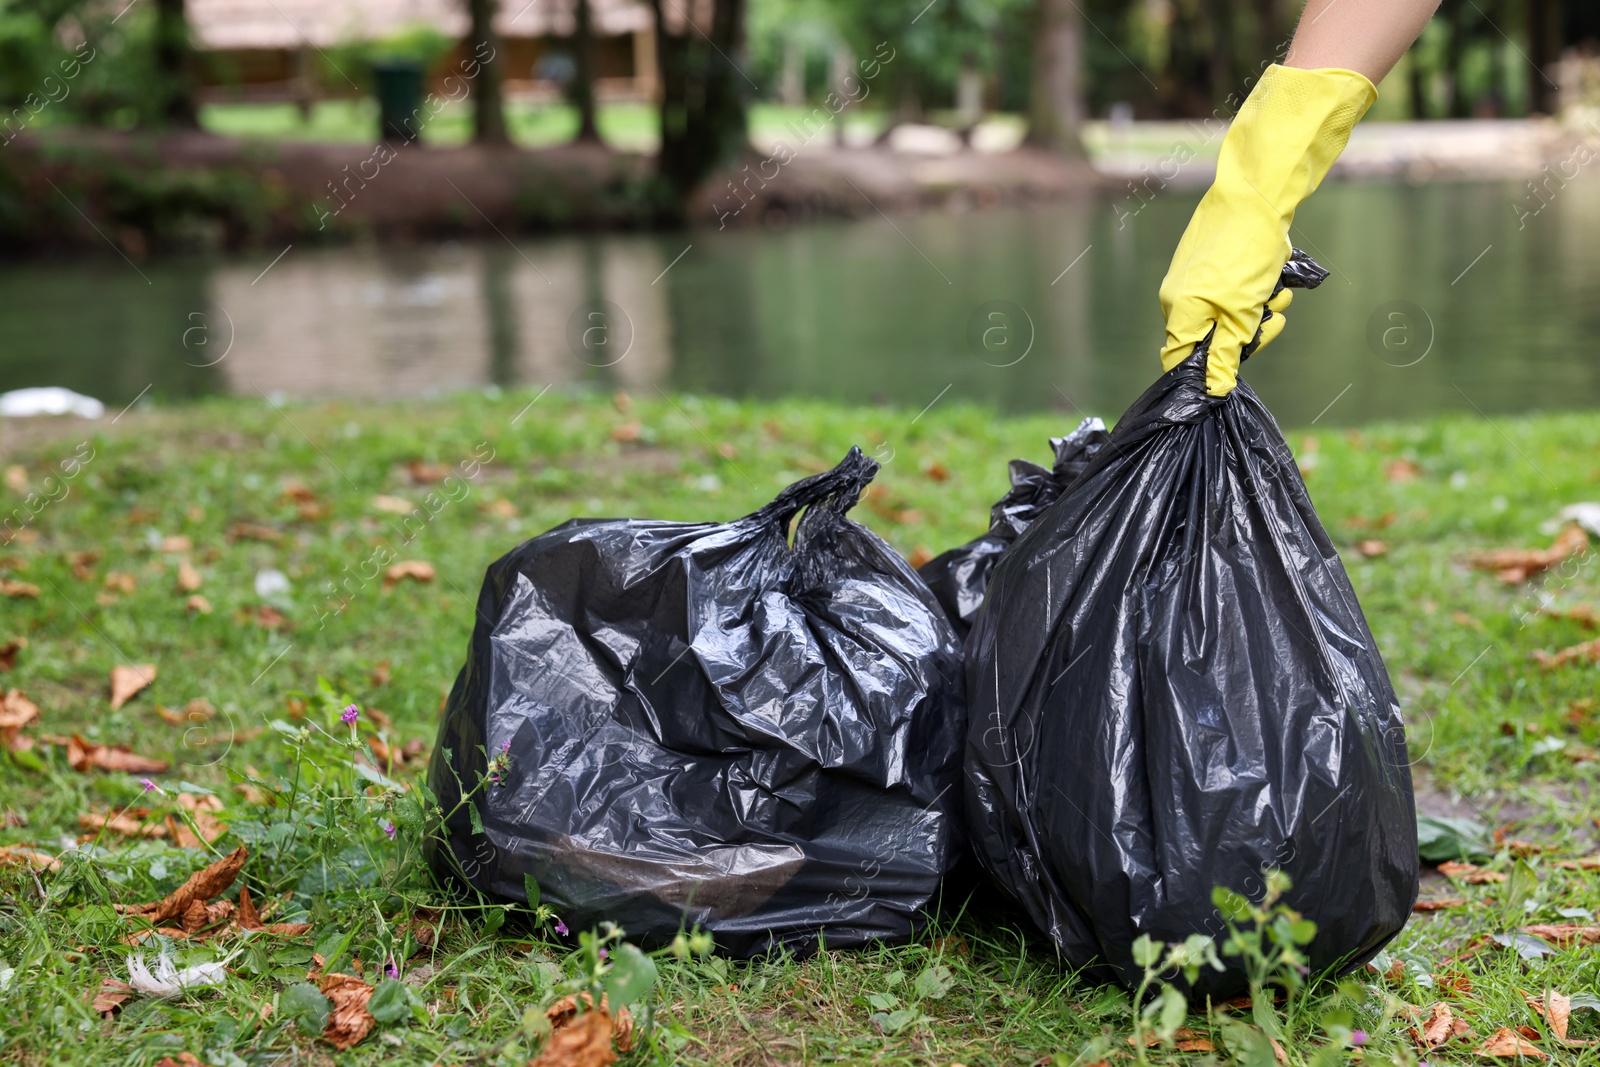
{"x": 1172, "y": 687}
{"x": 707, "y": 726}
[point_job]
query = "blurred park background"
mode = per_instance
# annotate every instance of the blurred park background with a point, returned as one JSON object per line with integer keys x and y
{"x": 831, "y": 198}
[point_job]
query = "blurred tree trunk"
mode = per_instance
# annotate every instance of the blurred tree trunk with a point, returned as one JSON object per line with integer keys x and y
{"x": 175, "y": 65}
{"x": 1218, "y": 18}
{"x": 1272, "y": 33}
{"x": 1055, "y": 98}
{"x": 488, "y": 103}
{"x": 702, "y": 95}
{"x": 1455, "y": 12}
{"x": 583, "y": 79}
{"x": 1416, "y": 84}
{"x": 1544, "y": 48}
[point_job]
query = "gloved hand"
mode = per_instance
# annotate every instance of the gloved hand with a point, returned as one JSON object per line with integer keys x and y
{"x": 1291, "y": 128}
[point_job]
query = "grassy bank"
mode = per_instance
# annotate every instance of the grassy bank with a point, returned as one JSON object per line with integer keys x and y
{"x": 271, "y": 515}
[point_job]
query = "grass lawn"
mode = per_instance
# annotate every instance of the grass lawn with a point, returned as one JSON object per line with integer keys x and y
{"x": 626, "y": 126}
{"x": 261, "y": 510}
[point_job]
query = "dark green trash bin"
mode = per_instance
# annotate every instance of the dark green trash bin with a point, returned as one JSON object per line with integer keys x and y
{"x": 399, "y": 87}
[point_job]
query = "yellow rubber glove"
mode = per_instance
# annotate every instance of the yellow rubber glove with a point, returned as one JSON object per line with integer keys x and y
{"x": 1291, "y": 128}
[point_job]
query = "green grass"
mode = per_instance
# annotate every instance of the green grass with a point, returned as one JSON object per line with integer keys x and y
{"x": 626, "y": 126}
{"x": 1485, "y": 722}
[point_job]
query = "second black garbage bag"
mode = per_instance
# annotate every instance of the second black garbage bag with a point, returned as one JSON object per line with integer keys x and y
{"x": 960, "y": 576}
{"x": 702, "y": 724}
{"x": 1172, "y": 687}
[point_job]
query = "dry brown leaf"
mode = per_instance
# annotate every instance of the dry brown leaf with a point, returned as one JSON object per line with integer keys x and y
{"x": 298, "y": 491}
{"x": 1558, "y": 1012}
{"x": 501, "y": 508}
{"x": 84, "y": 756}
{"x": 427, "y": 473}
{"x": 189, "y": 579}
{"x": 250, "y": 918}
{"x": 201, "y": 886}
{"x": 349, "y": 1021}
{"x": 1440, "y": 1027}
{"x": 628, "y": 432}
{"x": 1470, "y": 873}
{"x": 583, "y": 1042}
{"x": 1438, "y": 905}
{"x": 127, "y": 680}
{"x": 129, "y": 822}
{"x": 17, "y": 478}
{"x": 380, "y": 674}
{"x": 565, "y": 1011}
{"x": 83, "y": 563}
{"x": 919, "y": 557}
{"x": 23, "y": 856}
{"x": 1564, "y": 934}
{"x": 1372, "y": 549}
{"x": 13, "y": 588}
{"x": 1401, "y": 470}
{"x": 184, "y": 1059}
{"x": 1454, "y": 981}
{"x": 9, "y": 650}
{"x": 110, "y": 996}
{"x": 1507, "y": 1042}
{"x": 415, "y": 569}
{"x": 251, "y": 531}
{"x": 394, "y": 505}
{"x": 1587, "y": 651}
{"x": 1513, "y": 565}
{"x": 1582, "y": 863}
{"x": 197, "y": 603}
{"x": 121, "y": 582}
{"x": 196, "y": 711}
{"x": 16, "y": 712}
{"x": 1582, "y": 614}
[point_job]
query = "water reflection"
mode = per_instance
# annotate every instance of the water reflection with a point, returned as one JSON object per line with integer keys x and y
{"x": 908, "y": 311}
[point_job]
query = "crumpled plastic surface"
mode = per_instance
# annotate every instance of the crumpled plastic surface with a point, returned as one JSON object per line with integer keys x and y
{"x": 960, "y": 576}
{"x": 707, "y": 726}
{"x": 1172, "y": 687}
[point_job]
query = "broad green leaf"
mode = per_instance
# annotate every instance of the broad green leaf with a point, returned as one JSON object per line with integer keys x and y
{"x": 631, "y": 976}
{"x": 1146, "y": 952}
{"x": 1234, "y": 906}
{"x": 390, "y": 1001}
{"x": 531, "y": 888}
{"x": 305, "y": 1004}
{"x": 1440, "y": 839}
{"x": 1173, "y": 1009}
{"x": 934, "y": 982}
{"x": 477, "y": 819}
{"x": 493, "y": 920}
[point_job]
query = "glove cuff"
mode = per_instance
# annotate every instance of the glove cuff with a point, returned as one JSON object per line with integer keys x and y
{"x": 1291, "y": 129}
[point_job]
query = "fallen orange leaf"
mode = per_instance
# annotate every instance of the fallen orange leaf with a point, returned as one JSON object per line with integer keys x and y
{"x": 427, "y": 473}
{"x": 1588, "y": 651}
{"x": 1582, "y": 863}
{"x": 189, "y": 579}
{"x": 197, "y": 710}
{"x": 349, "y": 1021}
{"x": 1440, "y": 1027}
{"x": 394, "y": 505}
{"x": 1564, "y": 934}
{"x": 1438, "y": 905}
{"x": 1514, "y": 565}
{"x": 16, "y": 712}
{"x": 919, "y": 556}
{"x": 84, "y": 757}
{"x": 197, "y": 603}
{"x": 1557, "y": 1012}
{"x": 1401, "y": 470}
{"x": 108, "y": 999}
{"x": 1372, "y": 549}
{"x": 584, "y": 1042}
{"x": 250, "y": 531}
{"x": 1470, "y": 873}
{"x": 201, "y": 886}
{"x": 9, "y": 650}
{"x": 564, "y": 1011}
{"x": 13, "y": 588}
{"x": 1507, "y": 1042}
{"x": 129, "y": 822}
{"x": 127, "y": 680}
{"x": 415, "y": 569}
{"x": 23, "y": 856}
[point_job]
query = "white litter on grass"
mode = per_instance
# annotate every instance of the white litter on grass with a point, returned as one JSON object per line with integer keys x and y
{"x": 1585, "y": 514}
{"x": 49, "y": 400}
{"x": 167, "y": 981}
{"x": 271, "y": 583}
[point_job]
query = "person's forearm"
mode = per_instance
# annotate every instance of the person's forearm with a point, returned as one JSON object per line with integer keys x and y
{"x": 1366, "y": 36}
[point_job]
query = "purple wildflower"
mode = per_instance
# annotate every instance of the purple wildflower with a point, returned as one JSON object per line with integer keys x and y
{"x": 393, "y": 970}
{"x": 561, "y": 928}
{"x": 505, "y": 746}
{"x": 148, "y": 784}
{"x": 350, "y": 714}
{"x": 1358, "y": 1037}
{"x": 387, "y": 827}
{"x": 604, "y": 953}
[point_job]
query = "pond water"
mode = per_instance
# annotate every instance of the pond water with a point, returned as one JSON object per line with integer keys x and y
{"x": 1443, "y": 297}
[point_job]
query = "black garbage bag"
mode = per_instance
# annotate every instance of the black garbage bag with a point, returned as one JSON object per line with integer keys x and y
{"x": 1172, "y": 687}
{"x": 705, "y": 725}
{"x": 959, "y": 576}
